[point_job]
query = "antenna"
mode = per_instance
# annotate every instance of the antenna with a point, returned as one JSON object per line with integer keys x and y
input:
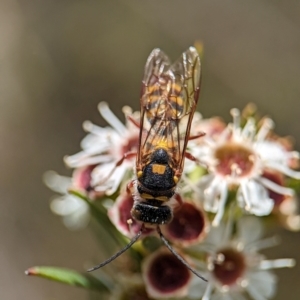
{"x": 177, "y": 255}
{"x": 118, "y": 253}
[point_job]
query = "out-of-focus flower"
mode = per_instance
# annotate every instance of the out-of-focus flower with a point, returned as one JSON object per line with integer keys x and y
{"x": 234, "y": 265}
{"x": 212, "y": 127}
{"x": 188, "y": 227}
{"x": 104, "y": 149}
{"x": 288, "y": 214}
{"x": 165, "y": 276}
{"x": 239, "y": 158}
{"x": 74, "y": 211}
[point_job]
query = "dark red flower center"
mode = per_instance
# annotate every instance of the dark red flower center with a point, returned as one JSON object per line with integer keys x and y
{"x": 229, "y": 266}
{"x": 167, "y": 274}
{"x": 187, "y": 224}
{"x": 234, "y": 160}
{"x": 125, "y": 215}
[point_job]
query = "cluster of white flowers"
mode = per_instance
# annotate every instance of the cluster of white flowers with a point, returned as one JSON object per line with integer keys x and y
{"x": 243, "y": 169}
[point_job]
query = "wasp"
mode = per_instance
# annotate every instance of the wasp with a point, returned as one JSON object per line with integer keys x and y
{"x": 168, "y": 101}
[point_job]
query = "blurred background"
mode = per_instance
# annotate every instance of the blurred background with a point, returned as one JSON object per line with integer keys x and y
{"x": 59, "y": 58}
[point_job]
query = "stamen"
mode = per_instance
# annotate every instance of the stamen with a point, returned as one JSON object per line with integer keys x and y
{"x": 100, "y": 178}
{"x": 248, "y": 131}
{"x": 236, "y": 120}
{"x": 267, "y": 125}
{"x": 224, "y": 134}
{"x": 210, "y": 196}
{"x": 88, "y": 126}
{"x": 235, "y": 170}
{"x": 81, "y": 159}
{"x": 127, "y": 110}
{"x": 207, "y": 292}
{"x": 222, "y": 201}
{"x": 263, "y": 244}
{"x": 271, "y": 185}
{"x": 110, "y": 118}
{"x": 277, "y": 263}
{"x": 244, "y": 186}
{"x": 285, "y": 170}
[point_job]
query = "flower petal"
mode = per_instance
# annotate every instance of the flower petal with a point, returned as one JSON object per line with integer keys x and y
{"x": 249, "y": 229}
{"x": 254, "y": 198}
{"x": 57, "y": 183}
{"x": 261, "y": 285}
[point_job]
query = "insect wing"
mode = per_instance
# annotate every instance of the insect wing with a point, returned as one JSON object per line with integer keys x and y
{"x": 157, "y": 64}
{"x": 168, "y": 101}
{"x": 184, "y": 96}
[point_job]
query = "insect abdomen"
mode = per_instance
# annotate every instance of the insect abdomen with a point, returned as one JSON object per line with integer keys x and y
{"x": 149, "y": 212}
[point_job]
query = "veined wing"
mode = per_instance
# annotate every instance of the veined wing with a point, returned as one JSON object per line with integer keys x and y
{"x": 168, "y": 101}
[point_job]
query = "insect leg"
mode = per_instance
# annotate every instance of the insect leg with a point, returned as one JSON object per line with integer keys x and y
{"x": 199, "y": 135}
{"x": 134, "y": 122}
{"x": 127, "y": 155}
{"x": 179, "y": 257}
{"x": 191, "y": 157}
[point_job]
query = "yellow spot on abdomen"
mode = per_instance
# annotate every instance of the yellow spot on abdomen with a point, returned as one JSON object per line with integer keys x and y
{"x": 159, "y": 169}
{"x": 162, "y": 198}
{"x": 146, "y": 196}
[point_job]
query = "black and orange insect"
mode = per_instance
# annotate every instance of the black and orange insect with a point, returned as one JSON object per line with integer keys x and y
{"x": 168, "y": 101}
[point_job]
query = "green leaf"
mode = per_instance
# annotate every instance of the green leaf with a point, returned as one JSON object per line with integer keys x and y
{"x": 69, "y": 277}
{"x": 294, "y": 184}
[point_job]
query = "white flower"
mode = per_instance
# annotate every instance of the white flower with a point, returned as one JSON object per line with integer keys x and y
{"x": 238, "y": 158}
{"x": 104, "y": 148}
{"x": 74, "y": 211}
{"x": 212, "y": 127}
{"x": 234, "y": 265}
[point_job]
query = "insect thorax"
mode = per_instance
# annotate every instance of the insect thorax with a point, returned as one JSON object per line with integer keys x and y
{"x": 157, "y": 178}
